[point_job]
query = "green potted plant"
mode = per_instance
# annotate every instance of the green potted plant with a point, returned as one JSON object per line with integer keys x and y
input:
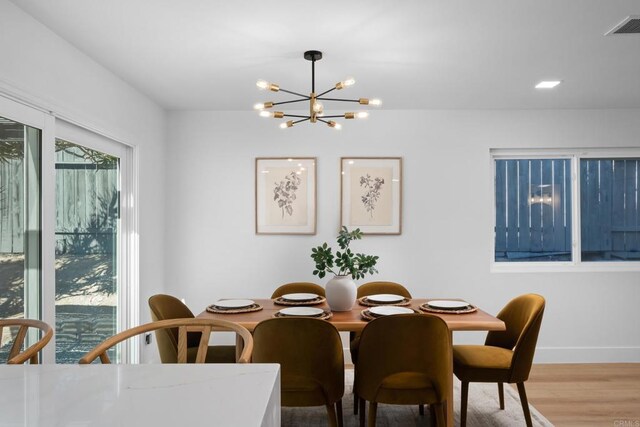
{"x": 346, "y": 267}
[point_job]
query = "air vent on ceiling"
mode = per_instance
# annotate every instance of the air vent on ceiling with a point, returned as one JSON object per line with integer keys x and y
{"x": 630, "y": 25}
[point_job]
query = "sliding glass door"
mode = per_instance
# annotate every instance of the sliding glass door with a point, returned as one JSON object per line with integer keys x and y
{"x": 20, "y": 214}
{"x": 87, "y": 232}
{"x": 67, "y": 235}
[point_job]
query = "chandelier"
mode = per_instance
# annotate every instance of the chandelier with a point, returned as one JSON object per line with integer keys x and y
{"x": 316, "y": 108}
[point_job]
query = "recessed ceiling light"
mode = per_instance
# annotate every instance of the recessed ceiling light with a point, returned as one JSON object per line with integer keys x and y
{"x": 548, "y": 84}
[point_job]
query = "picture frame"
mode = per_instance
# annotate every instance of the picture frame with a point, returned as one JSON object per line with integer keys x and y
{"x": 285, "y": 195}
{"x": 371, "y": 194}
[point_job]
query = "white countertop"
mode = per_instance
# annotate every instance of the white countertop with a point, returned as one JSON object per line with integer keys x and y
{"x": 140, "y": 395}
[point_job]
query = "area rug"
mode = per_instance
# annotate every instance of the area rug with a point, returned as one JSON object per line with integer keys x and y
{"x": 483, "y": 410}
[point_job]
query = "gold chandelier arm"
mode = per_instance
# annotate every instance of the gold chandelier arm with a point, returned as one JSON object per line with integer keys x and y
{"x": 294, "y": 93}
{"x": 340, "y": 99}
{"x": 291, "y": 101}
{"x": 327, "y": 91}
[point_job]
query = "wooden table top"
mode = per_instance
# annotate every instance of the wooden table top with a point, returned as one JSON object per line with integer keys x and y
{"x": 352, "y": 320}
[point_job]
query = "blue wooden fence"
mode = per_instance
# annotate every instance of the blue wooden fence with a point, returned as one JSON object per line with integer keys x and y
{"x": 609, "y": 206}
{"x": 533, "y": 210}
{"x": 86, "y": 205}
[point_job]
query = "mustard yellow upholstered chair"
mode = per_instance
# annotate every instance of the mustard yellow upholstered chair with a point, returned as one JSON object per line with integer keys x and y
{"x": 16, "y": 356}
{"x": 204, "y": 327}
{"x": 295, "y": 287}
{"x": 166, "y": 307}
{"x": 366, "y": 289}
{"x": 309, "y": 352}
{"x": 373, "y": 288}
{"x": 506, "y": 356}
{"x": 404, "y": 360}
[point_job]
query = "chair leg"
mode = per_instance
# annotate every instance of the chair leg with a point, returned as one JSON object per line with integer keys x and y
{"x": 441, "y": 419}
{"x": 525, "y": 404}
{"x": 421, "y": 409}
{"x": 362, "y": 404}
{"x": 339, "y": 413}
{"x": 501, "y": 394}
{"x": 331, "y": 414}
{"x": 464, "y": 396}
{"x": 356, "y": 403}
{"x": 373, "y": 410}
{"x": 432, "y": 414}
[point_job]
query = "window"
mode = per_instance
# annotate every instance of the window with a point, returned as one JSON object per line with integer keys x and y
{"x": 609, "y": 214}
{"x": 566, "y": 209}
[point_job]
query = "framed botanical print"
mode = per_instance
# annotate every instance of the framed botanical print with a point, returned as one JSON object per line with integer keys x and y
{"x": 371, "y": 194}
{"x": 285, "y": 195}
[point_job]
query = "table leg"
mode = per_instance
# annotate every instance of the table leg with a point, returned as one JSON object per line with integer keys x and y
{"x": 449, "y": 407}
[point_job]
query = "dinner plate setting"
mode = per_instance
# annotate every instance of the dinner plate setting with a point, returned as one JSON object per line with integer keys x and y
{"x": 234, "y": 306}
{"x": 384, "y": 299}
{"x": 384, "y": 310}
{"x": 448, "y": 307}
{"x": 299, "y": 299}
{"x": 298, "y": 312}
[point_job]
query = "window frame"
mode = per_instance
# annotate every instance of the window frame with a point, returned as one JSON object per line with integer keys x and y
{"x": 576, "y": 264}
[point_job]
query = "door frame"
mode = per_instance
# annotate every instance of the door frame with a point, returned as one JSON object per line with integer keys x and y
{"x": 54, "y": 126}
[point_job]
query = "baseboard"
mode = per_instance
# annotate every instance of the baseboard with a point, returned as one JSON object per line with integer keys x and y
{"x": 587, "y": 355}
{"x": 574, "y": 355}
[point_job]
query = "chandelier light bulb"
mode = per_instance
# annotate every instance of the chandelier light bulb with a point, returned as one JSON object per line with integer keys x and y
{"x": 262, "y": 84}
{"x": 264, "y": 113}
{"x": 362, "y": 114}
{"x": 349, "y": 81}
{"x": 334, "y": 125}
{"x": 375, "y": 102}
{"x": 283, "y": 125}
{"x": 318, "y": 107}
{"x": 262, "y": 105}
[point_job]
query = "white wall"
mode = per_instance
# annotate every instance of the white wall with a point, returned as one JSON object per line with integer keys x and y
{"x": 42, "y": 68}
{"x": 444, "y": 250}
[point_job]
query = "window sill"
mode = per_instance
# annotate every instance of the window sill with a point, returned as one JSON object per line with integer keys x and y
{"x": 565, "y": 267}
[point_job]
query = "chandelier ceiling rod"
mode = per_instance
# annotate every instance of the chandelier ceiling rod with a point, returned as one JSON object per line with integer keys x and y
{"x": 316, "y": 109}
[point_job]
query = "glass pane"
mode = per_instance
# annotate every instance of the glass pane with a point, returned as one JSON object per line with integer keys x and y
{"x": 533, "y": 210}
{"x": 19, "y": 225}
{"x": 87, "y": 222}
{"x": 609, "y": 210}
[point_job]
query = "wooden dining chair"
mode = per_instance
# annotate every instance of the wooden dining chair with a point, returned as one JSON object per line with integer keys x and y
{"x": 31, "y": 353}
{"x": 310, "y": 355}
{"x": 506, "y": 356}
{"x": 184, "y": 326}
{"x": 166, "y": 307}
{"x": 404, "y": 360}
{"x": 295, "y": 287}
{"x": 364, "y": 290}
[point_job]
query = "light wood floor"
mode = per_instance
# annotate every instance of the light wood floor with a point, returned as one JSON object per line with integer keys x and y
{"x": 587, "y": 394}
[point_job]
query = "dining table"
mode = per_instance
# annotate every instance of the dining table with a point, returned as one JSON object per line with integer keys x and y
{"x": 160, "y": 395}
{"x": 353, "y": 321}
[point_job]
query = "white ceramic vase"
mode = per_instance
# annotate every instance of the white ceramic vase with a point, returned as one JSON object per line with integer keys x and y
{"x": 341, "y": 293}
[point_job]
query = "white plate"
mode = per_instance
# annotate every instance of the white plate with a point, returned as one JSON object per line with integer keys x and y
{"x": 299, "y": 297}
{"x": 445, "y": 303}
{"x": 385, "y": 298}
{"x": 234, "y": 303}
{"x": 388, "y": 310}
{"x": 301, "y": 311}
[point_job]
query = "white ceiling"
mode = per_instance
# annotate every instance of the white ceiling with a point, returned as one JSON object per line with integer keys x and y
{"x": 462, "y": 54}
